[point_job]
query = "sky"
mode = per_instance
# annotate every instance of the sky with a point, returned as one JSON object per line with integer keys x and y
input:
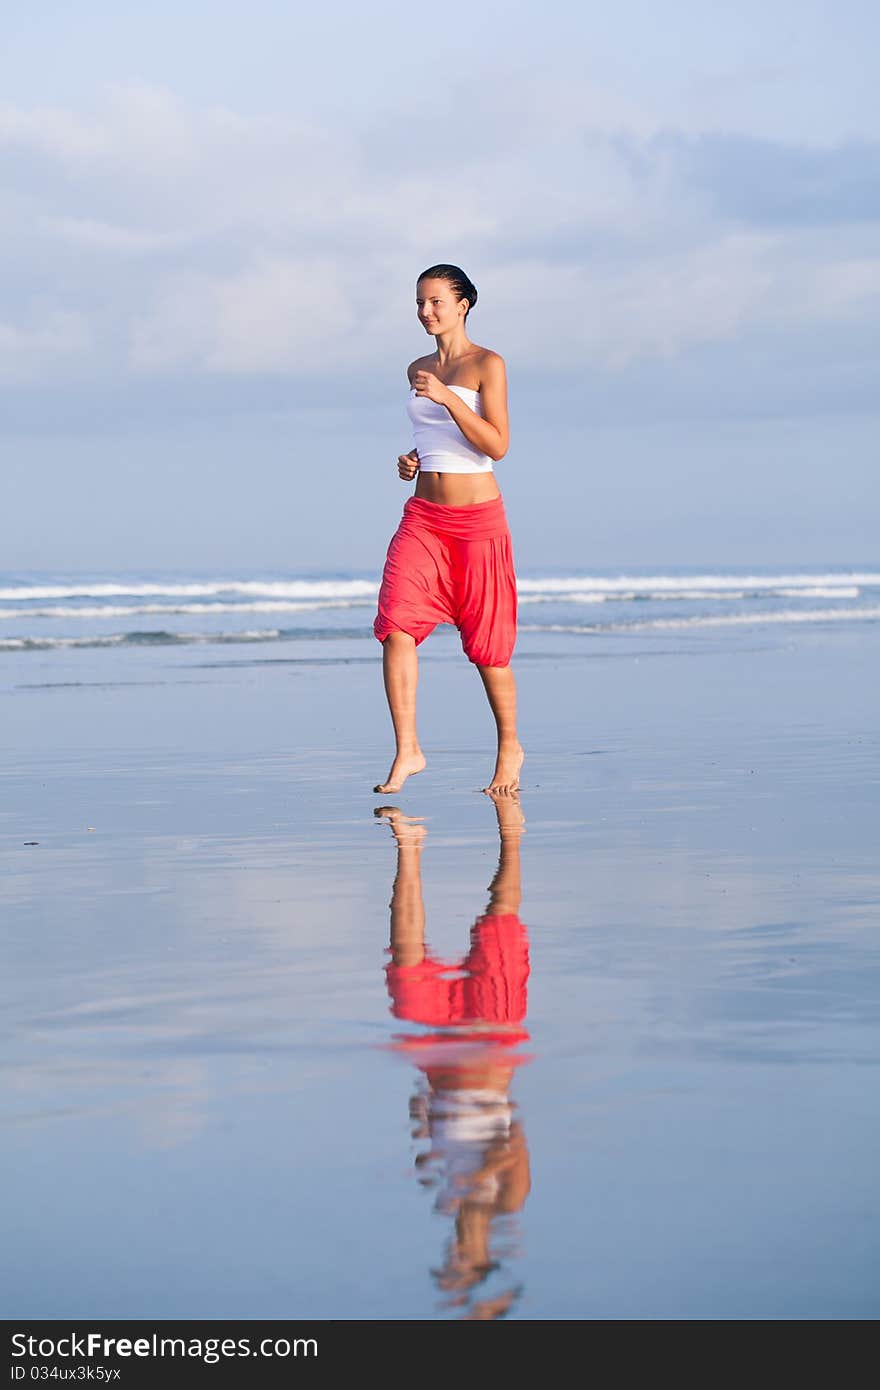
{"x": 212, "y": 217}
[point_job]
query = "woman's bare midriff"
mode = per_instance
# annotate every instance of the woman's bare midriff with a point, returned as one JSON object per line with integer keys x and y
{"x": 456, "y": 489}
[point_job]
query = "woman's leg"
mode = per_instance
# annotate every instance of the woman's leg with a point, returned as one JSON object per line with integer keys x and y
{"x": 400, "y": 668}
{"x": 501, "y": 690}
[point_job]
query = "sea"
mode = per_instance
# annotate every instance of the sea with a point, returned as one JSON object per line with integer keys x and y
{"x": 53, "y": 611}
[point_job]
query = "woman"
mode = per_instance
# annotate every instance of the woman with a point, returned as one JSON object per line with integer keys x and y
{"x": 451, "y": 560}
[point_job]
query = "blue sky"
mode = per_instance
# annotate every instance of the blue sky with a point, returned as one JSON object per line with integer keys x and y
{"x": 212, "y": 217}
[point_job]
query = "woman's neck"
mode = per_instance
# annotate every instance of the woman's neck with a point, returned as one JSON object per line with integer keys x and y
{"x": 452, "y": 345}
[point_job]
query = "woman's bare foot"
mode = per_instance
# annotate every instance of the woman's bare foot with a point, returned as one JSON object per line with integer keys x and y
{"x": 404, "y": 765}
{"x": 505, "y": 778}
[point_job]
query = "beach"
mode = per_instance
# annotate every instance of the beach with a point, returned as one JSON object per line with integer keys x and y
{"x": 216, "y": 1105}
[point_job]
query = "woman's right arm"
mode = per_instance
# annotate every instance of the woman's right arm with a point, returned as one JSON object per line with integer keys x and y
{"x": 408, "y": 465}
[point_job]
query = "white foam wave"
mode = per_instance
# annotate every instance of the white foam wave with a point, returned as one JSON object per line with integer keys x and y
{"x": 290, "y": 589}
{"x": 655, "y": 586}
{"x": 117, "y": 639}
{"x": 842, "y": 592}
{"x": 630, "y": 597}
{"x": 132, "y": 610}
{"x": 787, "y": 615}
{"x": 585, "y": 597}
{"x": 11, "y": 644}
{"x": 690, "y": 595}
{"x": 324, "y": 589}
{"x": 815, "y": 615}
{"x": 118, "y": 610}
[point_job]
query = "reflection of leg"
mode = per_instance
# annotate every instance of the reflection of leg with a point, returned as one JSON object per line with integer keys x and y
{"x": 501, "y": 690}
{"x": 505, "y": 889}
{"x": 468, "y": 1260}
{"x": 400, "y": 668}
{"x": 407, "y": 906}
{"x": 511, "y": 818}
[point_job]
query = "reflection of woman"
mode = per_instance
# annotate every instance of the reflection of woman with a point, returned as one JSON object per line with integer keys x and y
{"x": 451, "y": 559}
{"x": 477, "y": 1158}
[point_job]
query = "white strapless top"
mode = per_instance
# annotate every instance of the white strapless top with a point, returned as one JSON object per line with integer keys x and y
{"x": 442, "y": 446}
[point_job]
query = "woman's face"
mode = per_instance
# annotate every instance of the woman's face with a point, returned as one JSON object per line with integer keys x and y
{"x": 437, "y": 306}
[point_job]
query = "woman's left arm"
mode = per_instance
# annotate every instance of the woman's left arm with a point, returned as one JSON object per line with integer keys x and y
{"x": 489, "y": 432}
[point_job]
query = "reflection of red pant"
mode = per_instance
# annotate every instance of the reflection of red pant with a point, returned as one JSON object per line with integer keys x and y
{"x": 488, "y": 986}
{"x": 452, "y": 565}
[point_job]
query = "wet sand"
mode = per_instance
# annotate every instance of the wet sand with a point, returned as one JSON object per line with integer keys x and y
{"x": 210, "y": 1109}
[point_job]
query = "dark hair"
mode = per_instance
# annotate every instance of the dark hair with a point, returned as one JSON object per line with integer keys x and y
{"x": 462, "y": 287}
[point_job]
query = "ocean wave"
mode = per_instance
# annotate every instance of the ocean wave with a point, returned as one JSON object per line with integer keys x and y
{"x": 786, "y": 615}
{"x": 664, "y": 596}
{"x": 529, "y": 593}
{"x": 841, "y": 592}
{"x": 163, "y": 638}
{"x": 323, "y": 590}
{"x": 138, "y": 639}
{"x": 205, "y": 609}
{"x": 659, "y": 585}
{"x": 682, "y": 595}
{"x": 290, "y": 589}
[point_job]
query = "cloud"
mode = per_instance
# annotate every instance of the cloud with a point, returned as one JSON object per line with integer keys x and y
{"x": 761, "y": 181}
{"x": 52, "y": 343}
{"x": 64, "y": 136}
{"x": 93, "y": 235}
{"x": 274, "y": 315}
{"x": 170, "y": 240}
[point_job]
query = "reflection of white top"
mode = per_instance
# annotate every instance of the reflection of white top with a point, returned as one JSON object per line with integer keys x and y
{"x": 463, "y": 1126}
{"x": 442, "y": 446}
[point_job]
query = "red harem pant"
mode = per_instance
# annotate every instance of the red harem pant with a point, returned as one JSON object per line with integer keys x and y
{"x": 452, "y": 565}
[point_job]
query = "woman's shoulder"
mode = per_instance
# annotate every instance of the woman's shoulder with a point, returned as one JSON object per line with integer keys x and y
{"x": 490, "y": 363}
{"x": 420, "y": 364}
{"x": 490, "y": 366}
